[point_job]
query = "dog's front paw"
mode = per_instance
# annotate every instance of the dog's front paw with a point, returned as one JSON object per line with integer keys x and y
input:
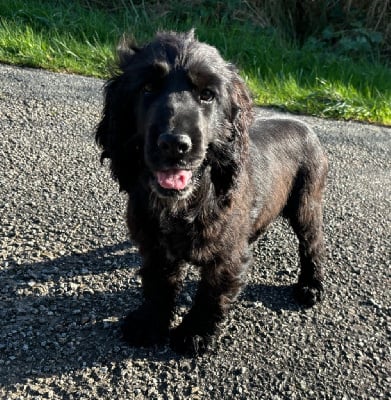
{"x": 309, "y": 294}
{"x": 140, "y": 328}
{"x": 186, "y": 342}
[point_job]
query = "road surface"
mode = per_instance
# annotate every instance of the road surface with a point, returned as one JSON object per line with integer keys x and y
{"x": 68, "y": 272}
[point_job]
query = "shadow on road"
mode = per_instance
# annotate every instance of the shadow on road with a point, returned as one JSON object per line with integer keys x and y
{"x": 275, "y": 298}
{"x": 63, "y": 311}
{"x": 66, "y": 313}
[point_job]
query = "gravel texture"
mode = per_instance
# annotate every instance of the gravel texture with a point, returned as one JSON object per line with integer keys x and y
{"x": 68, "y": 271}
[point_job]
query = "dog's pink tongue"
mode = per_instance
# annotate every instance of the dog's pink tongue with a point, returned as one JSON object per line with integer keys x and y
{"x": 176, "y": 179}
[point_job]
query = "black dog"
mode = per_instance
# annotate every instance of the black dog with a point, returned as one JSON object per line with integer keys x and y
{"x": 205, "y": 177}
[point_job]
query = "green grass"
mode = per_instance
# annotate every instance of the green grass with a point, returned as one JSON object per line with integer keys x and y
{"x": 63, "y": 36}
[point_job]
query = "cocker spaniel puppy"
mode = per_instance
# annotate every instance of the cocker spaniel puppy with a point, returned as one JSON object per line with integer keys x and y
{"x": 205, "y": 177}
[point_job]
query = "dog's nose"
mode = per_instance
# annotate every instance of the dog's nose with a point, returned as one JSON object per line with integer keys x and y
{"x": 174, "y": 145}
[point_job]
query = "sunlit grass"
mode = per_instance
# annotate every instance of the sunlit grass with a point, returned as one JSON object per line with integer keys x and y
{"x": 326, "y": 98}
{"x": 63, "y": 36}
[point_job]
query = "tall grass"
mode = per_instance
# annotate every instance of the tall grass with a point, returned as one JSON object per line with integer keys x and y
{"x": 80, "y": 36}
{"x": 293, "y": 18}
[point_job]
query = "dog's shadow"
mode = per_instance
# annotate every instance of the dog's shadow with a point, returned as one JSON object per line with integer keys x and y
{"x": 52, "y": 311}
{"x": 63, "y": 314}
{"x": 276, "y": 298}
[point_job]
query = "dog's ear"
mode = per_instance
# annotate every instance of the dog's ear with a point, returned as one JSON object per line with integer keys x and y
{"x": 102, "y": 133}
{"x": 228, "y": 157}
{"x": 107, "y": 127}
{"x": 241, "y": 106}
{"x": 115, "y": 133}
{"x": 241, "y": 119}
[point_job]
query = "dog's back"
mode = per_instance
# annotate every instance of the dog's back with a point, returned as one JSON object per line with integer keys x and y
{"x": 288, "y": 138}
{"x": 285, "y": 153}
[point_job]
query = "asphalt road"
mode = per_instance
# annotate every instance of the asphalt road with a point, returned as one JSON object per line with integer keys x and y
{"x": 68, "y": 271}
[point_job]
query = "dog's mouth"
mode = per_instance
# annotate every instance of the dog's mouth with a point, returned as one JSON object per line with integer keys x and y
{"x": 175, "y": 182}
{"x": 174, "y": 179}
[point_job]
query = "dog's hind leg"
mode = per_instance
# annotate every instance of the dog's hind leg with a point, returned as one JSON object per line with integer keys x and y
{"x": 304, "y": 211}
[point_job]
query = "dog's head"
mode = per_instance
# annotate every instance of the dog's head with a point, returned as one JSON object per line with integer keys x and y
{"x": 175, "y": 109}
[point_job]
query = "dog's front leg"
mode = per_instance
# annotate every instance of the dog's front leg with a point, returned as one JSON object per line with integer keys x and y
{"x": 219, "y": 287}
{"x": 148, "y": 325}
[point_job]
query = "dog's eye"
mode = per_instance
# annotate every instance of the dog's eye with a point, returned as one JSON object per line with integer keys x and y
{"x": 207, "y": 95}
{"x": 149, "y": 88}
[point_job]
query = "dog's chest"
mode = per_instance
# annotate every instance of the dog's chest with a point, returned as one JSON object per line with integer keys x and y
{"x": 188, "y": 239}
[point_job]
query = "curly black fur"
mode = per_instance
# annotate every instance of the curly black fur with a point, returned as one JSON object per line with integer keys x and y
{"x": 177, "y": 108}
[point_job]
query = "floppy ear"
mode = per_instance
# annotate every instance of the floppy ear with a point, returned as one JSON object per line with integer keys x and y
{"x": 241, "y": 105}
{"x": 229, "y": 156}
{"x": 116, "y": 132}
{"x": 242, "y": 117}
{"x": 106, "y": 128}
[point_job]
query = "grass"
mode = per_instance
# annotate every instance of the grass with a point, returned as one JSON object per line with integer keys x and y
{"x": 312, "y": 79}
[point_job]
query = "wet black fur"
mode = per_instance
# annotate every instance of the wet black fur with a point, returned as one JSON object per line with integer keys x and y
{"x": 246, "y": 172}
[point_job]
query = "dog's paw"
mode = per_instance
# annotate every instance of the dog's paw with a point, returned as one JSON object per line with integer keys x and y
{"x": 140, "y": 329}
{"x": 188, "y": 343}
{"x": 309, "y": 294}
